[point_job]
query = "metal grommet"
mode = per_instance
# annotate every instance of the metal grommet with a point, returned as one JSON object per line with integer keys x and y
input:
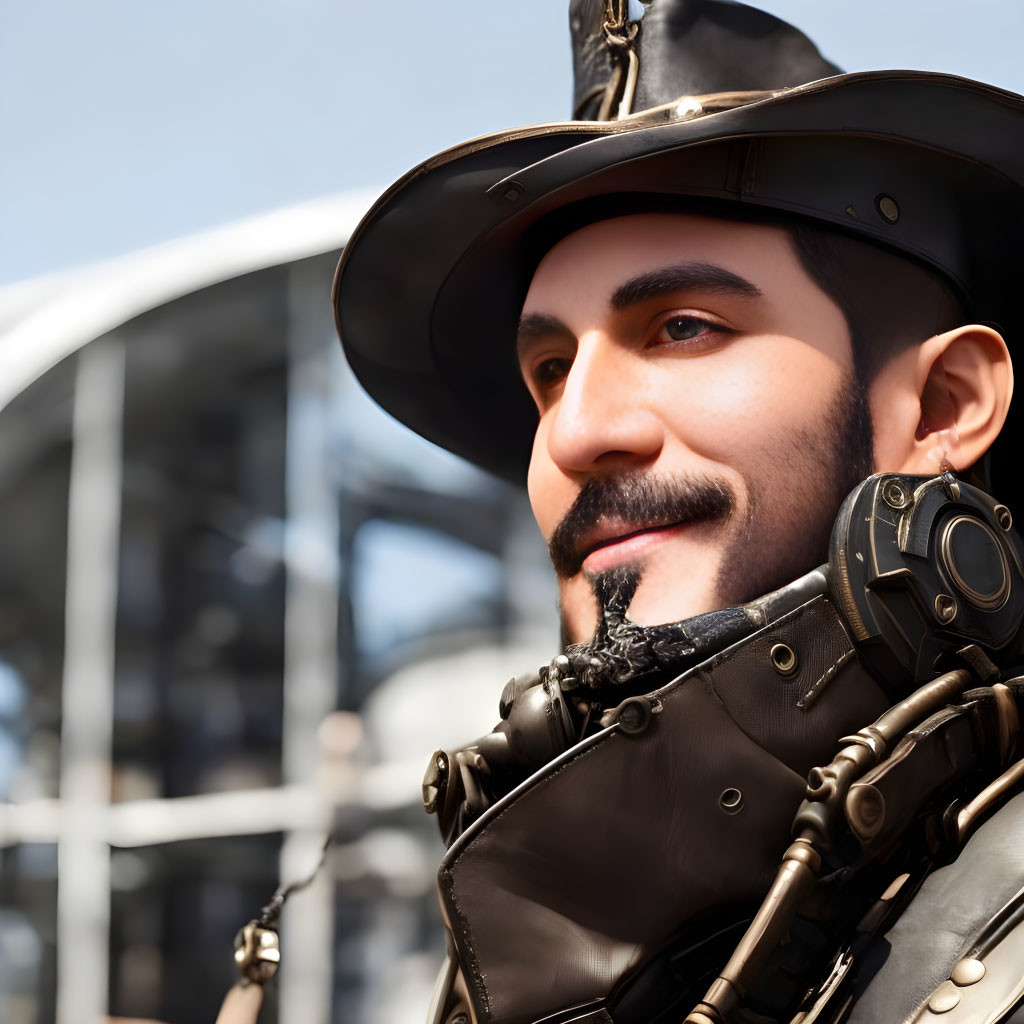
{"x": 888, "y": 208}
{"x": 459, "y": 1018}
{"x": 1003, "y": 517}
{"x": 895, "y": 495}
{"x": 784, "y": 659}
{"x": 634, "y": 715}
{"x": 945, "y": 608}
{"x": 512, "y": 191}
{"x": 731, "y": 800}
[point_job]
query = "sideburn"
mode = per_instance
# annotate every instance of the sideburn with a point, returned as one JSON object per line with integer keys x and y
{"x": 783, "y": 540}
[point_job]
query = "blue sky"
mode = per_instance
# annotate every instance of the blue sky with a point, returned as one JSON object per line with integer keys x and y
{"x": 128, "y": 122}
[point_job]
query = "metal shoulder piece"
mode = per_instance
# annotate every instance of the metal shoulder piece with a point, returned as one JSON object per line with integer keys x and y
{"x": 612, "y": 847}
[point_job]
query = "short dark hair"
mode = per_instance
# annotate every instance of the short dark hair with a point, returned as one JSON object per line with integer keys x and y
{"x": 889, "y": 301}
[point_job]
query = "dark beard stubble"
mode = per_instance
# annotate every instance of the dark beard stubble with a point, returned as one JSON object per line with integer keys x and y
{"x": 818, "y": 467}
{"x": 780, "y": 540}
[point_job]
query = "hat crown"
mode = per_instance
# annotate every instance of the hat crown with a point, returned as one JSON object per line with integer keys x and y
{"x": 690, "y": 48}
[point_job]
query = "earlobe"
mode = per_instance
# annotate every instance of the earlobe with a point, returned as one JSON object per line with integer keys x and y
{"x": 965, "y": 381}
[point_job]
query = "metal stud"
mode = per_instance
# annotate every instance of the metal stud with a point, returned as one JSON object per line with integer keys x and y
{"x": 945, "y": 608}
{"x": 888, "y": 208}
{"x": 731, "y": 801}
{"x": 944, "y": 998}
{"x": 968, "y": 972}
{"x": 784, "y": 659}
{"x": 1003, "y": 517}
{"x": 895, "y": 495}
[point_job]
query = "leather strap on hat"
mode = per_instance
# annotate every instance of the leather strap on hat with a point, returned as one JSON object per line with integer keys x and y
{"x": 620, "y": 33}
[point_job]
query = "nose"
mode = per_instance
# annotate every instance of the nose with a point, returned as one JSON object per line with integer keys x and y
{"x": 604, "y": 417}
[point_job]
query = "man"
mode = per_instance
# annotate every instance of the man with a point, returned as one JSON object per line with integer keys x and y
{"x": 727, "y": 311}
{"x": 680, "y": 363}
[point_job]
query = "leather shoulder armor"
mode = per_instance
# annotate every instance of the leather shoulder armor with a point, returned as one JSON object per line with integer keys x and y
{"x": 956, "y": 954}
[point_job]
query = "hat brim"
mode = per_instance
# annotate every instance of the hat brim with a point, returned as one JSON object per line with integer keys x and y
{"x": 430, "y": 287}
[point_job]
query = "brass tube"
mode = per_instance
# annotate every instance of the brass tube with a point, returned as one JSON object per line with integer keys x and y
{"x": 796, "y": 877}
{"x": 909, "y": 712}
{"x": 991, "y": 794}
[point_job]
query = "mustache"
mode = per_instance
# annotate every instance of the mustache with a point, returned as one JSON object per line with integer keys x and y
{"x": 639, "y": 498}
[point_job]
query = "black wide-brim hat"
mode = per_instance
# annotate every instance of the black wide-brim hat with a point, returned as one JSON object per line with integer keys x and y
{"x": 430, "y": 286}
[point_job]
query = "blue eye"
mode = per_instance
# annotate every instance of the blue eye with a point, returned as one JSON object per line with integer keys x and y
{"x": 684, "y": 328}
{"x": 691, "y": 331}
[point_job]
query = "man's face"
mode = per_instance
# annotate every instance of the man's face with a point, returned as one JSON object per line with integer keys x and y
{"x": 699, "y": 416}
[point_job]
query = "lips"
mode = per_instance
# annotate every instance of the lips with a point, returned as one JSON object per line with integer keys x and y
{"x": 613, "y": 520}
{"x": 624, "y": 546}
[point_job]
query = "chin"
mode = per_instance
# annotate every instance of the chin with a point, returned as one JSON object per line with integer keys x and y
{"x": 655, "y": 604}
{"x": 670, "y": 593}
{"x": 660, "y": 609}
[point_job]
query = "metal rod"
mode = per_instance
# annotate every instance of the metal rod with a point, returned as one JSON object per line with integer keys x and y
{"x": 971, "y": 813}
{"x": 311, "y": 638}
{"x": 87, "y": 696}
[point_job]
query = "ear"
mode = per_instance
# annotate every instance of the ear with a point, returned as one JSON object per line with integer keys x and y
{"x": 940, "y": 404}
{"x": 958, "y": 386}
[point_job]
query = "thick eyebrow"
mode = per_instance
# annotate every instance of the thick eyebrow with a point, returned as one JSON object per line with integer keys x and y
{"x": 539, "y": 325}
{"x": 707, "y": 277}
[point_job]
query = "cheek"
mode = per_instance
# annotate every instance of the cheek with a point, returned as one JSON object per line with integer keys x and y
{"x": 545, "y": 485}
{"x": 744, "y": 397}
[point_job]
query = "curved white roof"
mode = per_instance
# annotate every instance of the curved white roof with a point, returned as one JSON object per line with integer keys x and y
{"x": 45, "y": 319}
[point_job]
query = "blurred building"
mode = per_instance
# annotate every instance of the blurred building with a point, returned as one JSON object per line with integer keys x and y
{"x": 239, "y": 606}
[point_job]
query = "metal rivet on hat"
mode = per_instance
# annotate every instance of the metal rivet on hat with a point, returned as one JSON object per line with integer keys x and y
{"x": 945, "y": 608}
{"x": 513, "y": 191}
{"x": 944, "y": 998}
{"x": 784, "y": 659}
{"x": 888, "y": 208}
{"x": 968, "y": 972}
{"x": 689, "y": 106}
{"x": 731, "y": 800}
{"x": 1003, "y": 517}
